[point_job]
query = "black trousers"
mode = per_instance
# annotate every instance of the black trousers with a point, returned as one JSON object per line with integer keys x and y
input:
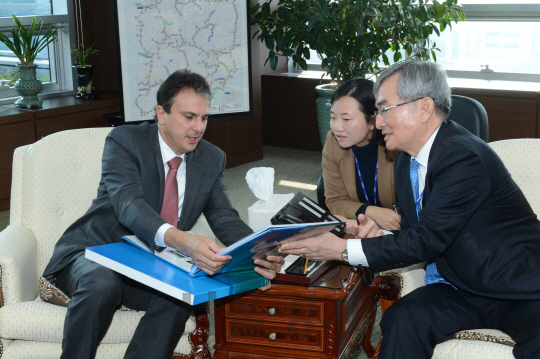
{"x": 430, "y": 315}
{"x": 97, "y": 292}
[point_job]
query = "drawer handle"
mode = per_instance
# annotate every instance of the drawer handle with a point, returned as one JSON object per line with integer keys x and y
{"x": 272, "y": 336}
{"x": 272, "y": 311}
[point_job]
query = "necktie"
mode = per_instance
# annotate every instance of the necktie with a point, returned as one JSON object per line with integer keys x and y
{"x": 169, "y": 210}
{"x": 432, "y": 273}
{"x": 414, "y": 183}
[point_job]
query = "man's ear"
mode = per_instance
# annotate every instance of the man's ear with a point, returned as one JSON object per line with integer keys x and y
{"x": 160, "y": 114}
{"x": 428, "y": 108}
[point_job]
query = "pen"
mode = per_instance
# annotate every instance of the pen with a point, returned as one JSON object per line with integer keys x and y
{"x": 395, "y": 208}
{"x": 305, "y": 266}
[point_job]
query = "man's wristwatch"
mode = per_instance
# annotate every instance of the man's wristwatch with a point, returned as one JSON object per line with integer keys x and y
{"x": 345, "y": 254}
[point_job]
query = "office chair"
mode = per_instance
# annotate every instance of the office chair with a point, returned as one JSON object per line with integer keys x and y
{"x": 470, "y": 114}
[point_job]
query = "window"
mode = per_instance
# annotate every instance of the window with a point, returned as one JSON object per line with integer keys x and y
{"x": 500, "y": 40}
{"x": 54, "y": 62}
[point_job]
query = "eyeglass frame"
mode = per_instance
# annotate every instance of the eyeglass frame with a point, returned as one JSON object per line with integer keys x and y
{"x": 382, "y": 111}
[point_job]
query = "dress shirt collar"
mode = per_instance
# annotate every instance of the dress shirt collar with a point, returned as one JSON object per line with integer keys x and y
{"x": 166, "y": 153}
{"x": 423, "y": 155}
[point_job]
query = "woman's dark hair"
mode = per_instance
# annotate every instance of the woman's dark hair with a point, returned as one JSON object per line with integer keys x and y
{"x": 362, "y": 91}
{"x": 178, "y": 81}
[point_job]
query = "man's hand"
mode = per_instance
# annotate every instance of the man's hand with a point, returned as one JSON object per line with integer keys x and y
{"x": 386, "y": 218}
{"x": 268, "y": 268}
{"x": 367, "y": 228}
{"x": 201, "y": 249}
{"x": 325, "y": 247}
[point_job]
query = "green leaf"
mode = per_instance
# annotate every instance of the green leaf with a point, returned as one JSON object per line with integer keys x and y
{"x": 273, "y": 60}
{"x": 385, "y": 60}
{"x": 269, "y": 42}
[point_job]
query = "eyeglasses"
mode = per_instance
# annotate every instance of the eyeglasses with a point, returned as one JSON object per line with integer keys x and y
{"x": 382, "y": 111}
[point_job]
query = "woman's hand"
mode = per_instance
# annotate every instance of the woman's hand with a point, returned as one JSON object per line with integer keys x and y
{"x": 386, "y": 218}
{"x": 367, "y": 228}
{"x": 351, "y": 225}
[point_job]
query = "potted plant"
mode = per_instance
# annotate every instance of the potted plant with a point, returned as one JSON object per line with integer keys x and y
{"x": 26, "y": 45}
{"x": 84, "y": 70}
{"x": 353, "y": 38}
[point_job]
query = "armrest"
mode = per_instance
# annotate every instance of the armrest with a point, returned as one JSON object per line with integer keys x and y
{"x": 412, "y": 277}
{"x": 18, "y": 265}
{"x": 388, "y": 289}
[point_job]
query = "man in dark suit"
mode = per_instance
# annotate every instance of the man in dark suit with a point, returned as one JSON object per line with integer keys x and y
{"x": 461, "y": 212}
{"x": 132, "y": 193}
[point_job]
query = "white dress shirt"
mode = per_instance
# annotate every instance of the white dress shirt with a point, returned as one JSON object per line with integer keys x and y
{"x": 167, "y": 154}
{"x": 356, "y": 252}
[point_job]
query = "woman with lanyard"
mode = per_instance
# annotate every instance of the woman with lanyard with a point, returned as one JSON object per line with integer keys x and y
{"x": 358, "y": 171}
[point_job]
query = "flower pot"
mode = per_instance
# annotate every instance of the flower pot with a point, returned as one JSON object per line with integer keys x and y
{"x": 28, "y": 86}
{"x": 85, "y": 90}
{"x": 324, "y": 103}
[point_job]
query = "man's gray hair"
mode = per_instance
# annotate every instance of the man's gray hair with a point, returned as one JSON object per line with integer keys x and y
{"x": 420, "y": 79}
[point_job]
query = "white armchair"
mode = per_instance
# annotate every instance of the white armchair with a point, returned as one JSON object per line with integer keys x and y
{"x": 522, "y": 158}
{"x": 54, "y": 183}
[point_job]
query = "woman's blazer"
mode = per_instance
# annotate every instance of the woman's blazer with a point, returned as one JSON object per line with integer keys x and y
{"x": 340, "y": 182}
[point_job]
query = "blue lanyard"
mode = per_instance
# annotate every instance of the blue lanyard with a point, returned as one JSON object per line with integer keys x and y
{"x": 362, "y": 181}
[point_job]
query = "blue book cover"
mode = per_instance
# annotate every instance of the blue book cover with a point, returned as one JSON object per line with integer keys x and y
{"x": 156, "y": 273}
{"x": 267, "y": 241}
{"x": 257, "y": 245}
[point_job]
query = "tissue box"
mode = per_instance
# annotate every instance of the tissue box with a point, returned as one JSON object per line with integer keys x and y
{"x": 260, "y": 212}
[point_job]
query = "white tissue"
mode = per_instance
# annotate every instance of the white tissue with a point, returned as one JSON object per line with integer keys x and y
{"x": 261, "y": 182}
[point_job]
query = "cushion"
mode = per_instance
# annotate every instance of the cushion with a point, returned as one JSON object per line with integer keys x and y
{"x": 49, "y": 293}
{"x": 44, "y": 322}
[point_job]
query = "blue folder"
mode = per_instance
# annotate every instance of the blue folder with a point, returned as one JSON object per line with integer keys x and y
{"x": 267, "y": 241}
{"x": 156, "y": 273}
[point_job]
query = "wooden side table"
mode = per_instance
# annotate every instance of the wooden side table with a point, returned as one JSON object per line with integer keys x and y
{"x": 329, "y": 319}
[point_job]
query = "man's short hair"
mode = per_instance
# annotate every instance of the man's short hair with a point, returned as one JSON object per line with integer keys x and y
{"x": 420, "y": 79}
{"x": 178, "y": 81}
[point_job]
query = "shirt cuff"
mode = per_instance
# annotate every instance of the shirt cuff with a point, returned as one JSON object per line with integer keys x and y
{"x": 159, "y": 239}
{"x": 356, "y": 253}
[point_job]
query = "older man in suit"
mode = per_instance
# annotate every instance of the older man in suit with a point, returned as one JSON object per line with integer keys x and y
{"x": 461, "y": 212}
{"x": 156, "y": 181}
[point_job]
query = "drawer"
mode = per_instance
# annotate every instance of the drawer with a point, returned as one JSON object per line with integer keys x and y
{"x": 296, "y": 312}
{"x": 286, "y": 336}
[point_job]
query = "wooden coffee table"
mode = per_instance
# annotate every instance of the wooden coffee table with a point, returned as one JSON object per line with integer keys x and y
{"x": 331, "y": 318}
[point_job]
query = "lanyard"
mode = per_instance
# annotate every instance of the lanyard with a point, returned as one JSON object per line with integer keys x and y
{"x": 362, "y": 181}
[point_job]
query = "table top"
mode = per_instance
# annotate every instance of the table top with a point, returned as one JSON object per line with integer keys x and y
{"x": 334, "y": 284}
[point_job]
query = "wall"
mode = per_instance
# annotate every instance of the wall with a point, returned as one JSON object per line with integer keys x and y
{"x": 23, "y": 127}
{"x": 289, "y": 117}
{"x": 240, "y": 136}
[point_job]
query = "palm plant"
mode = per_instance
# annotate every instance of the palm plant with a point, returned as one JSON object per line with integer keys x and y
{"x": 83, "y": 54}
{"x": 27, "y": 44}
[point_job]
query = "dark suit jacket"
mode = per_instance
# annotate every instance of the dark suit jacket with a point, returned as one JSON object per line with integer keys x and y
{"x": 130, "y": 196}
{"x": 475, "y": 221}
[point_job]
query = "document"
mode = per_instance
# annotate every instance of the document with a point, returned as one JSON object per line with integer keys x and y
{"x": 257, "y": 245}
